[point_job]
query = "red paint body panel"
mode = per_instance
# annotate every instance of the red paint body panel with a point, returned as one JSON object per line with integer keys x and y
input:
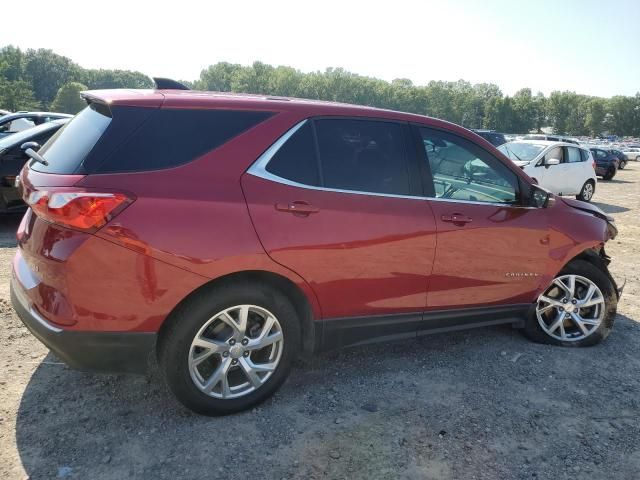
{"x": 473, "y": 260}
{"x": 86, "y": 283}
{"x": 359, "y": 255}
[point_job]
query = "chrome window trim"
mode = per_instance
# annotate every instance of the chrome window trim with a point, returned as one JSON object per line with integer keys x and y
{"x": 259, "y": 169}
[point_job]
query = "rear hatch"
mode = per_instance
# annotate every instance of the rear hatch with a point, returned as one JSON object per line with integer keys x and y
{"x": 62, "y": 215}
{"x": 94, "y": 168}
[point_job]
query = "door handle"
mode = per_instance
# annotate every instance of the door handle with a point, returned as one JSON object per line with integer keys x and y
{"x": 456, "y": 218}
{"x": 297, "y": 207}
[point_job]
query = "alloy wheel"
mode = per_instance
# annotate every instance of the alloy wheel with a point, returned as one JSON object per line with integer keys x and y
{"x": 236, "y": 351}
{"x": 571, "y": 309}
{"x": 587, "y": 191}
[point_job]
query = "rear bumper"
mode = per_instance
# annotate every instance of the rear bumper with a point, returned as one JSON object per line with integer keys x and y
{"x": 93, "y": 351}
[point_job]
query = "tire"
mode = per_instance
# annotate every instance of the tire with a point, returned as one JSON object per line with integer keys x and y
{"x": 583, "y": 271}
{"x": 637, "y": 159}
{"x": 609, "y": 175}
{"x": 622, "y": 165}
{"x": 587, "y": 191}
{"x": 177, "y": 354}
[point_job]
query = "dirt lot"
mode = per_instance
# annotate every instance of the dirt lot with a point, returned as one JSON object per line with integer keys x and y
{"x": 478, "y": 404}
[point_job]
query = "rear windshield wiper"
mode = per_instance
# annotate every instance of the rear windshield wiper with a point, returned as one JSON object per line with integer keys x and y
{"x": 35, "y": 156}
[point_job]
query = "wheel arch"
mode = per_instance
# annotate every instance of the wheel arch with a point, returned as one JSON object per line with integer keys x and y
{"x": 303, "y": 306}
{"x": 598, "y": 258}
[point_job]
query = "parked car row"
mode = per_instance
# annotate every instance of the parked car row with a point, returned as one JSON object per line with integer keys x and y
{"x": 20, "y": 121}
{"x": 16, "y": 130}
{"x": 632, "y": 153}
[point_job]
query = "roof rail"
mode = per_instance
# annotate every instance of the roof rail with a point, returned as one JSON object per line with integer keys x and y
{"x": 168, "y": 84}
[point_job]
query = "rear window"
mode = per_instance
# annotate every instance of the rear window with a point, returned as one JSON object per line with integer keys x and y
{"x": 131, "y": 139}
{"x": 66, "y": 150}
{"x": 172, "y": 137}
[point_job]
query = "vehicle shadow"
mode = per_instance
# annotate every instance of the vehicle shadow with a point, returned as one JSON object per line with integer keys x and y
{"x": 607, "y": 208}
{"x": 484, "y": 397}
{"x": 616, "y": 180}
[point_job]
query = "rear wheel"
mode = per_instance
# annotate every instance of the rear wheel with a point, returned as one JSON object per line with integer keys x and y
{"x": 586, "y": 194}
{"x": 230, "y": 349}
{"x": 576, "y": 310}
{"x": 610, "y": 174}
{"x": 623, "y": 164}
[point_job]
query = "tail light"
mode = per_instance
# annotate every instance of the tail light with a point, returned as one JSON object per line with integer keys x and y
{"x": 77, "y": 209}
{"x": 594, "y": 164}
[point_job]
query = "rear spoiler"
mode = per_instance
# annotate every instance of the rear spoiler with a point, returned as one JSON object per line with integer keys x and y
{"x": 133, "y": 98}
{"x": 168, "y": 84}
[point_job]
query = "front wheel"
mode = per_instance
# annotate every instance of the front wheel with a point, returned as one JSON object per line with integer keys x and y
{"x": 576, "y": 310}
{"x": 586, "y": 194}
{"x": 229, "y": 349}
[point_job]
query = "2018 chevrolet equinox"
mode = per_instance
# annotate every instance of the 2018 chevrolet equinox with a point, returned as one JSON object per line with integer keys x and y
{"x": 228, "y": 234}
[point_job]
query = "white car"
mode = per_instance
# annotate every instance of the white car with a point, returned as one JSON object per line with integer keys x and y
{"x": 632, "y": 153}
{"x": 560, "y": 167}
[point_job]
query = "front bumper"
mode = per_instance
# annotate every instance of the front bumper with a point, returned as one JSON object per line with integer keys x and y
{"x": 93, "y": 351}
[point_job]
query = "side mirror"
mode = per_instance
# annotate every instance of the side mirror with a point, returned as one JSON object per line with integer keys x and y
{"x": 540, "y": 198}
{"x": 35, "y": 146}
{"x": 551, "y": 161}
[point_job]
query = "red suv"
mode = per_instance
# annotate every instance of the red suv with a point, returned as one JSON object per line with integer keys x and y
{"x": 228, "y": 234}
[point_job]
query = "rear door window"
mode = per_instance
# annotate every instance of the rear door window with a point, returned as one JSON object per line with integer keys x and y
{"x": 363, "y": 155}
{"x": 573, "y": 155}
{"x": 584, "y": 154}
{"x": 296, "y": 160}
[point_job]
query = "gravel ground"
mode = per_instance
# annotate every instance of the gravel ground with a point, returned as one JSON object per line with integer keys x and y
{"x": 477, "y": 404}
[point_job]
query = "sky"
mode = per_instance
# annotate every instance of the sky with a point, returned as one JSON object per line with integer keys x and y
{"x": 587, "y": 46}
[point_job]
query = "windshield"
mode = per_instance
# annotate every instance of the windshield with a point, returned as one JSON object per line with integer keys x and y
{"x": 25, "y": 135}
{"x": 521, "y": 152}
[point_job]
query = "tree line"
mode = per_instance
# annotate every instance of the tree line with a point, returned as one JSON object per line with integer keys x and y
{"x": 40, "y": 78}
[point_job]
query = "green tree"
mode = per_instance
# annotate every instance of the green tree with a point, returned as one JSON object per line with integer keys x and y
{"x": 17, "y": 96}
{"x": 35, "y": 77}
{"x": 47, "y": 72}
{"x": 624, "y": 115}
{"x": 558, "y": 111}
{"x": 218, "y": 77}
{"x": 596, "y": 111}
{"x": 68, "y": 98}
{"x": 11, "y": 63}
{"x": 524, "y": 111}
{"x": 539, "y": 112}
{"x": 100, "y": 79}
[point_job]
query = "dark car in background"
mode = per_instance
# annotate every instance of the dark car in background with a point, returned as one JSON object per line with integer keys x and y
{"x": 20, "y": 121}
{"x": 622, "y": 158}
{"x": 13, "y": 157}
{"x": 606, "y": 163}
{"x": 494, "y": 138}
